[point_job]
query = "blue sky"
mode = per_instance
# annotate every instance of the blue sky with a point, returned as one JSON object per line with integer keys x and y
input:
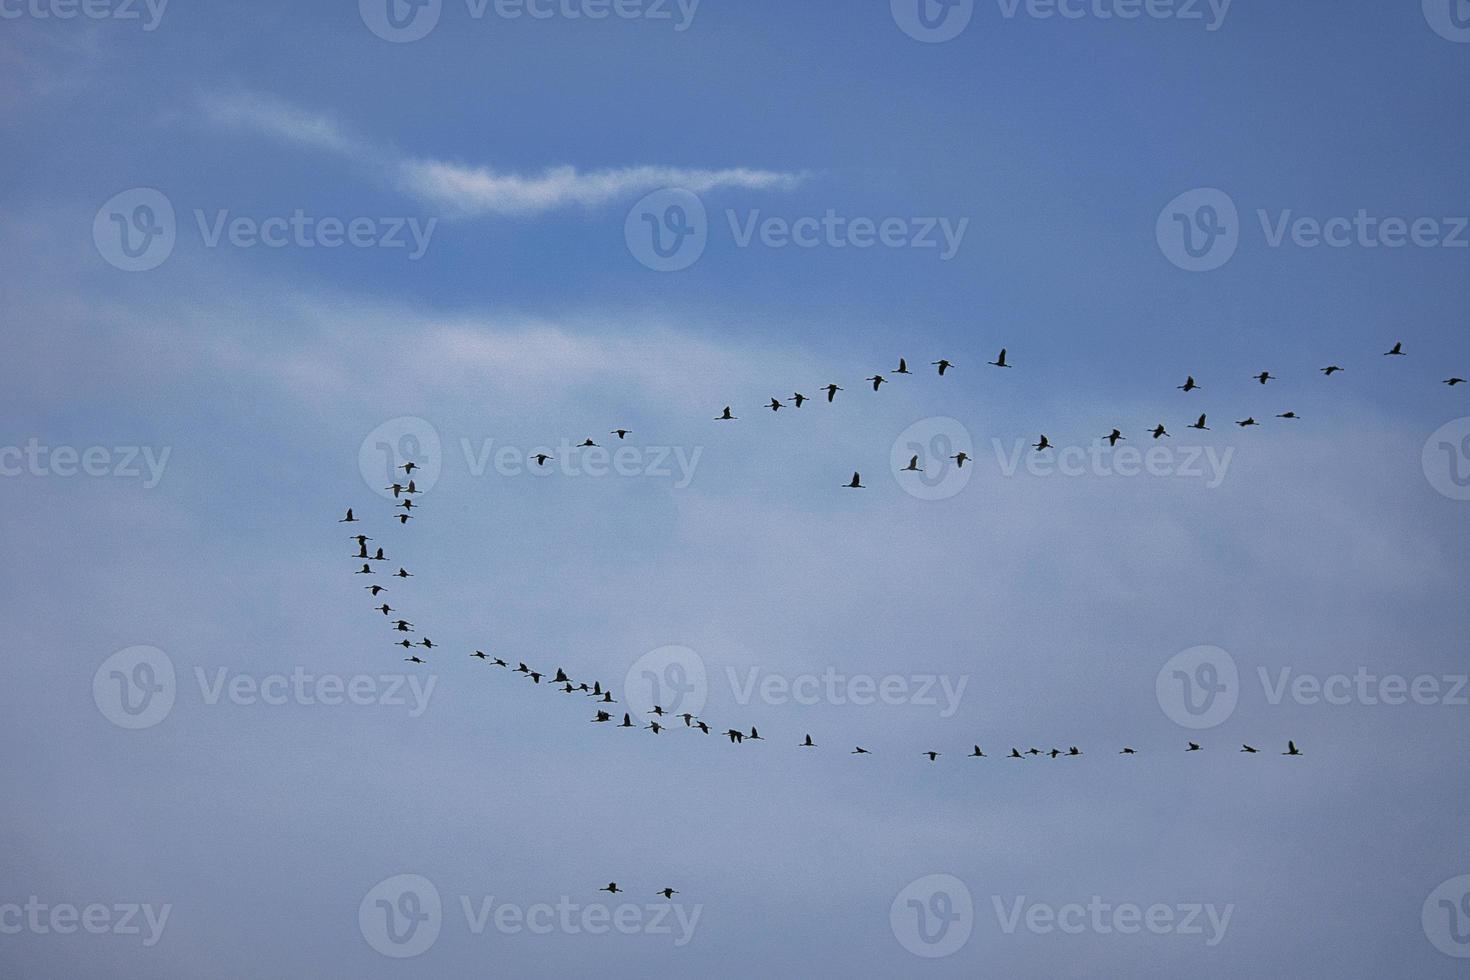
{"x": 231, "y": 399}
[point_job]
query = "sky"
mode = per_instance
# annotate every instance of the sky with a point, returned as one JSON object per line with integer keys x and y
{"x": 258, "y": 254}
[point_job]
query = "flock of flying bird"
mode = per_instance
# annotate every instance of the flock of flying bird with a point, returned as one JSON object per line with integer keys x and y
{"x": 411, "y": 640}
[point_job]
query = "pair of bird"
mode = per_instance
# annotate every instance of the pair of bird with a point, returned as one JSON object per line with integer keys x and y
{"x": 612, "y": 888}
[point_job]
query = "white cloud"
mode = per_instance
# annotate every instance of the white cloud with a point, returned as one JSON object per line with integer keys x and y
{"x": 473, "y": 191}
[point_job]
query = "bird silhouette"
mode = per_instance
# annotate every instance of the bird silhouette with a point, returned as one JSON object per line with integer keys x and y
{"x": 404, "y": 518}
{"x": 375, "y": 589}
{"x": 1188, "y": 385}
{"x": 1291, "y": 748}
{"x": 1454, "y": 381}
{"x": 859, "y": 750}
{"x": 977, "y": 754}
{"x": 1114, "y": 436}
{"x": 479, "y": 655}
{"x": 959, "y": 459}
{"x": 654, "y": 727}
{"x": 726, "y": 416}
{"x": 1288, "y": 415}
{"x": 775, "y": 405}
{"x": 1193, "y": 747}
{"x": 877, "y": 380}
{"x": 943, "y": 366}
{"x": 349, "y": 519}
{"x": 857, "y": 482}
{"x": 913, "y": 466}
{"x": 666, "y": 892}
{"x": 601, "y": 717}
{"x": 621, "y": 433}
{"x": 735, "y": 735}
{"x": 409, "y": 467}
{"x": 1200, "y": 424}
{"x": 627, "y": 722}
{"x": 932, "y": 755}
{"x": 1127, "y": 751}
{"x": 366, "y": 569}
{"x": 1397, "y": 350}
{"x": 587, "y": 444}
{"x": 808, "y": 744}
{"x": 1247, "y": 423}
{"x": 1016, "y": 754}
{"x": 797, "y": 399}
{"x": 1000, "y": 361}
{"x": 1043, "y": 444}
{"x": 754, "y": 735}
{"x": 1330, "y": 370}
{"x": 541, "y": 458}
{"x": 1159, "y": 431}
{"x": 832, "y": 391}
{"x": 1248, "y": 748}
{"x": 903, "y": 367}
{"x": 1265, "y": 376}
{"x": 402, "y": 574}
{"x": 414, "y": 660}
{"x": 612, "y": 888}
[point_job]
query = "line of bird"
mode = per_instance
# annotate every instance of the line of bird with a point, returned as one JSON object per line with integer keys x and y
{"x": 663, "y": 720}
{"x": 942, "y": 366}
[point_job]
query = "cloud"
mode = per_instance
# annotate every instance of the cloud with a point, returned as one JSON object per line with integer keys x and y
{"x": 473, "y": 191}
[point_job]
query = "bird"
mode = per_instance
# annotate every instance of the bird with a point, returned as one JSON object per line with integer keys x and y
{"x": 1193, "y": 747}
{"x": 411, "y": 488}
{"x": 1330, "y": 370}
{"x": 405, "y": 643}
{"x": 808, "y": 744}
{"x": 1073, "y": 750}
{"x": 658, "y": 709}
{"x": 857, "y": 482}
{"x": 403, "y": 626}
{"x": 1043, "y": 444}
{"x": 859, "y": 750}
{"x": 688, "y": 719}
{"x": 349, "y": 519}
{"x": 397, "y": 488}
{"x": 1200, "y": 424}
{"x": 977, "y": 754}
{"x": 1454, "y": 381}
{"x": 612, "y": 888}
{"x": 601, "y": 717}
{"x": 1033, "y": 751}
{"x": 1159, "y": 430}
{"x": 1016, "y": 754}
{"x": 375, "y": 589}
{"x": 654, "y": 727}
{"x": 587, "y": 444}
{"x": 621, "y": 433}
{"x": 1397, "y": 350}
{"x": 409, "y": 467}
{"x": 1054, "y": 753}
{"x": 366, "y": 569}
{"x": 426, "y": 643}
{"x": 541, "y": 458}
{"x": 754, "y": 735}
{"x": 797, "y": 398}
{"x": 726, "y": 417}
{"x": 1248, "y": 422}
{"x": 932, "y": 755}
{"x": 666, "y": 892}
{"x": 913, "y": 466}
{"x": 1114, "y": 436}
{"x": 404, "y": 518}
{"x": 499, "y": 663}
{"x": 361, "y": 539}
{"x": 1265, "y": 376}
{"x": 414, "y": 660}
{"x": 627, "y": 722}
{"x": 535, "y": 676}
{"x": 479, "y": 655}
{"x": 1127, "y": 751}
{"x": 943, "y": 365}
{"x": 832, "y": 391}
{"x": 1188, "y": 385}
{"x": 877, "y": 380}
{"x": 959, "y": 459}
{"x": 1291, "y": 748}
{"x": 735, "y": 736}
{"x": 903, "y": 367}
{"x": 379, "y": 556}
{"x": 402, "y": 574}
{"x": 1248, "y": 748}
{"x": 1000, "y": 360}
{"x": 702, "y": 726}
{"x": 1288, "y": 415}
{"x": 776, "y": 406}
